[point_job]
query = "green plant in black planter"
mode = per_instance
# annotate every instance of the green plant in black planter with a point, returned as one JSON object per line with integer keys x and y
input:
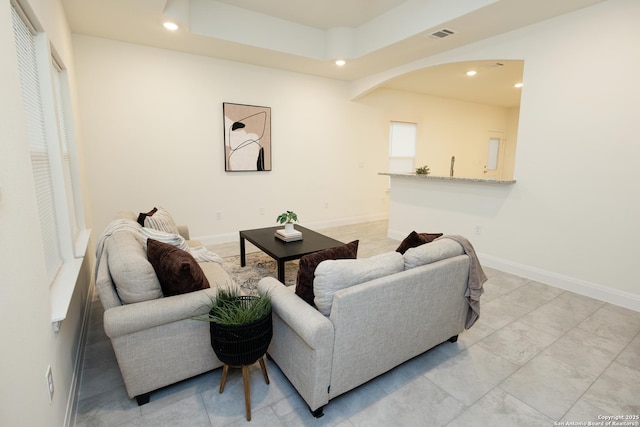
{"x": 230, "y": 308}
{"x": 240, "y": 326}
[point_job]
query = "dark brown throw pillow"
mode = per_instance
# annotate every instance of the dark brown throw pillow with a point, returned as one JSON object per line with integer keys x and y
{"x": 416, "y": 239}
{"x": 308, "y": 264}
{"x": 177, "y": 271}
{"x": 142, "y": 216}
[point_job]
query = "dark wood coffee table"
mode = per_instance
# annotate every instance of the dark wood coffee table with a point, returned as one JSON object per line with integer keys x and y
{"x": 281, "y": 251}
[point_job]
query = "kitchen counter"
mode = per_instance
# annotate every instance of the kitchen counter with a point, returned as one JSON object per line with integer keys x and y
{"x": 447, "y": 178}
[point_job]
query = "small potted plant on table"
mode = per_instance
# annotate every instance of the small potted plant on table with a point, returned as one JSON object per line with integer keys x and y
{"x": 287, "y": 218}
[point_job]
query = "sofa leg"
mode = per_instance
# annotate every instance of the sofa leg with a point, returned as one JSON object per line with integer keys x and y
{"x": 318, "y": 412}
{"x": 453, "y": 338}
{"x": 143, "y": 399}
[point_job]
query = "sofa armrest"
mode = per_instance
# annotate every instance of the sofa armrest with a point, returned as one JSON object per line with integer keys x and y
{"x": 311, "y": 325}
{"x": 104, "y": 284}
{"x": 302, "y": 344}
{"x": 130, "y": 318}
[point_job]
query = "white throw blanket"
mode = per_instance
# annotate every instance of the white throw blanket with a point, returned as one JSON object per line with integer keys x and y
{"x": 162, "y": 236}
{"x": 202, "y": 254}
{"x": 199, "y": 253}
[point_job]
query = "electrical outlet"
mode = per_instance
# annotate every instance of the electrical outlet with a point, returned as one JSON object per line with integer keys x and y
{"x": 478, "y": 230}
{"x": 261, "y": 211}
{"x": 218, "y": 215}
{"x": 49, "y": 379}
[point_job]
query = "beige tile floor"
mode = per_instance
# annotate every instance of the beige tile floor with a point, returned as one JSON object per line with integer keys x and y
{"x": 537, "y": 356}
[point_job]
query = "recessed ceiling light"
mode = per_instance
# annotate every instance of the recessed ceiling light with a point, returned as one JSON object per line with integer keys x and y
{"x": 171, "y": 26}
{"x": 340, "y": 62}
{"x": 471, "y": 73}
{"x": 518, "y": 85}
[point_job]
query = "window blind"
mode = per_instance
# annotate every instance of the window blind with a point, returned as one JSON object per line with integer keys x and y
{"x": 402, "y": 147}
{"x": 32, "y": 102}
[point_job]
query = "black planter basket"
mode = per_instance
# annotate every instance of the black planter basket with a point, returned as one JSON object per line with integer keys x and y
{"x": 237, "y": 345}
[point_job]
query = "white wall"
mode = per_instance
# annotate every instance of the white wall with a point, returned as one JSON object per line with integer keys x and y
{"x": 572, "y": 217}
{"x": 152, "y": 123}
{"x": 510, "y": 143}
{"x": 29, "y": 344}
{"x": 446, "y": 127}
{"x": 152, "y": 120}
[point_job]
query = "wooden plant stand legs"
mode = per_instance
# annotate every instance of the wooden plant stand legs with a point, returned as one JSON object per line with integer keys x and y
{"x": 245, "y": 379}
{"x": 264, "y": 370}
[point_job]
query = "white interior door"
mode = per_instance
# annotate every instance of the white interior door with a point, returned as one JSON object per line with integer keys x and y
{"x": 494, "y": 150}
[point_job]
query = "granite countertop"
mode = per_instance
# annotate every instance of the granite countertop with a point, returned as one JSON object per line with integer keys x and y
{"x": 448, "y": 178}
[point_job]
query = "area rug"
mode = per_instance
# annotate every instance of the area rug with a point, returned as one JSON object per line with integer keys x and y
{"x": 258, "y": 265}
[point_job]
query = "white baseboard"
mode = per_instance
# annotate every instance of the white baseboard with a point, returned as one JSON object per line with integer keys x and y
{"x": 579, "y": 286}
{"x": 72, "y": 402}
{"x": 347, "y": 221}
{"x": 217, "y": 239}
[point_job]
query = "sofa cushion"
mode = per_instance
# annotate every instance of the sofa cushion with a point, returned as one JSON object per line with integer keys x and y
{"x": 334, "y": 275}
{"x": 416, "y": 239}
{"x": 308, "y": 264}
{"x": 218, "y": 276}
{"x": 434, "y": 251}
{"x": 161, "y": 220}
{"x": 133, "y": 275}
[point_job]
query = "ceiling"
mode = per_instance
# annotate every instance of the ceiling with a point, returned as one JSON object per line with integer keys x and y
{"x": 306, "y": 36}
{"x": 492, "y": 85}
{"x": 320, "y": 14}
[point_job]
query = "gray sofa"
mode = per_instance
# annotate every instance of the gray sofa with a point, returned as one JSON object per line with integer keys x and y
{"x": 373, "y": 314}
{"x": 155, "y": 339}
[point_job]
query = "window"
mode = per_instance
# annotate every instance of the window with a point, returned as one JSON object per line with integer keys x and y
{"x": 46, "y": 108}
{"x": 402, "y": 147}
{"x": 61, "y": 91}
{"x": 40, "y": 159}
{"x": 50, "y": 135}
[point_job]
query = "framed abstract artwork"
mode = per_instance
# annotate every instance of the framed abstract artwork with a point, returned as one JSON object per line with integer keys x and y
{"x": 247, "y": 137}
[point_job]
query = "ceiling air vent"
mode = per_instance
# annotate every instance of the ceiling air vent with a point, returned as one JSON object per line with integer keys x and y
{"x": 440, "y": 34}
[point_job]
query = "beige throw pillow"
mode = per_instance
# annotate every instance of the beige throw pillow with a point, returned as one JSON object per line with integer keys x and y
{"x": 161, "y": 220}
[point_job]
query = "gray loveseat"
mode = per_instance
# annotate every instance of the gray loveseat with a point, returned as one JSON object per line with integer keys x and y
{"x": 373, "y": 314}
{"x": 155, "y": 339}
